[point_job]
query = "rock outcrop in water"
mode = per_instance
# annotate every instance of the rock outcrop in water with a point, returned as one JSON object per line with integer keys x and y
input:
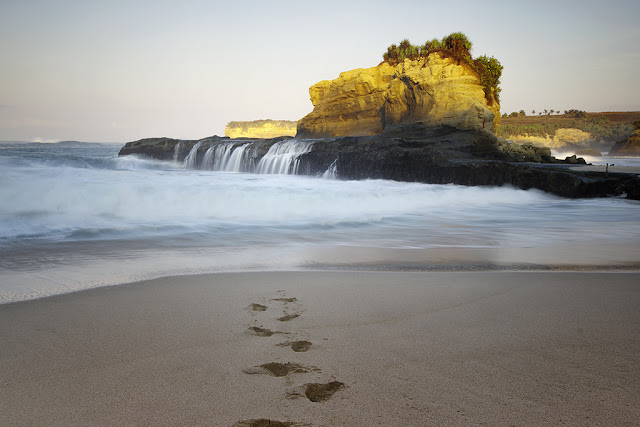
{"x": 263, "y": 129}
{"x": 419, "y": 153}
{"x": 436, "y": 90}
{"x": 627, "y": 147}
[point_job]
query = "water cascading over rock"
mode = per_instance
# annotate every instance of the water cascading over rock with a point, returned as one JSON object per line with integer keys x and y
{"x": 281, "y": 157}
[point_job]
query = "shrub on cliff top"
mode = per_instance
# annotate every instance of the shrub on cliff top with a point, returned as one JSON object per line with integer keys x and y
{"x": 456, "y": 46}
{"x": 405, "y": 50}
{"x": 457, "y": 42}
{"x": 431, "y": 46}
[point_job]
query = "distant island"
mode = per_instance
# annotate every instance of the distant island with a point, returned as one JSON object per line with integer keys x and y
{"x": 263, "y": 129}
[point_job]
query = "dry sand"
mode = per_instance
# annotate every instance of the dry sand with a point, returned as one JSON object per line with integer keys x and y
{"x": 389, "y": 349}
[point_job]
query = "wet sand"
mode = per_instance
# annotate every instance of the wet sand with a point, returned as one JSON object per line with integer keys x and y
{"x": 329, "y": 348}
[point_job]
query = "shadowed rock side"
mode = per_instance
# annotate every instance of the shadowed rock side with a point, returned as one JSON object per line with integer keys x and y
{"x": 627, "y": 147}
{"x": 157, "y": 148}
{"x": 178, "y": 149}
{"x": 361, "y": 102}
{"x": 444, "y": 155}
{"x": 428, "y": 154}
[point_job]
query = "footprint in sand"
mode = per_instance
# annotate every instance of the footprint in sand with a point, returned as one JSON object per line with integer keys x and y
{"x": 288, "y": 317}
{"x": 263, "y": 422}
{"x": 300, "y": 346}
{"x": 257, "y": 307}
{"x": 284, "y": 299}
{"x": 315, "y": 392}
{"x": 264, "y": 332}
{"x": 280, "y": 369}
{"x": 297, "y": 346}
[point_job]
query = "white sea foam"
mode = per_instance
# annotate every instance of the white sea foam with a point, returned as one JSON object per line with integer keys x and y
{"x": 65, "y": 216}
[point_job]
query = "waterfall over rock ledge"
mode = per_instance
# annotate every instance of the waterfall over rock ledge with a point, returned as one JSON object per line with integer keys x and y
{"x": 280, "y": 157}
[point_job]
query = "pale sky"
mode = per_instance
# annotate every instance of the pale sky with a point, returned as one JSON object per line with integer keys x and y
{"x": 117, "y": 71}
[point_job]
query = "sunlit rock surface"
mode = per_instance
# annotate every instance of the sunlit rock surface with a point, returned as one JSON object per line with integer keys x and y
{"x": 262, "y": 129}
{"x": 436, "y": 91}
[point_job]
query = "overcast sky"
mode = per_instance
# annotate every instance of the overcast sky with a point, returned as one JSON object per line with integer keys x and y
{"x": 116, "y": 71}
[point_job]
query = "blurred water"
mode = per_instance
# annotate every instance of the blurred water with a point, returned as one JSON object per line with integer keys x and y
{"x": 76, "y": 216}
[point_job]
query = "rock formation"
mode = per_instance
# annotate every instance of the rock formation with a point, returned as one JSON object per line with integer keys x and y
{"x": 434, "y": 90}
{"x": 627, "y": 147}
{"x": 415, "y": 152}
{"x": 424, "y": 120}
{"x": 263, "y": 129}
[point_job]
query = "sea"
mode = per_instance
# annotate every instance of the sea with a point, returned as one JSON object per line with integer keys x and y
{"x": 75, "y": 216}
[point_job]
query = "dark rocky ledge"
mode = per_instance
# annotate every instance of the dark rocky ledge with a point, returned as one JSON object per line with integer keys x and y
{"x": 440, "y": 155}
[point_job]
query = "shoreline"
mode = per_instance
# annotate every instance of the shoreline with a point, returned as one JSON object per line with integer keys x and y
{"x": 409, "y": 348}
{"x": 373, "y": 268}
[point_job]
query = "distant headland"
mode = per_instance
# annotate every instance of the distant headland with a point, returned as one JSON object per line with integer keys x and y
{"x": 263, "y": 129}
{"x": 426, "y": 113}
{"x": 570, "y": 130}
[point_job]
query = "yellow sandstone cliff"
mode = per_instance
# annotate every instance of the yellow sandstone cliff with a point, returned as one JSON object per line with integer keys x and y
{"x": 261, "y": 129}
{"x": 434, "y": 90}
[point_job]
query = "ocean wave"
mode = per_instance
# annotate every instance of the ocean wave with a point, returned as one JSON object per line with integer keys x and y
{"x": 95, "y": 195}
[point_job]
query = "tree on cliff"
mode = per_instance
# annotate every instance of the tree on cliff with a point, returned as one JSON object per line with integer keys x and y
{"x": 458, "y": 47}
{"x": 457, "y": 43}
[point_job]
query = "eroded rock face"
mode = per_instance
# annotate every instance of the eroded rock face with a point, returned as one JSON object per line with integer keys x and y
{"x": 435, "y": 91}
{"x": 261, "y": 129}
{"x": 627, "y": 147}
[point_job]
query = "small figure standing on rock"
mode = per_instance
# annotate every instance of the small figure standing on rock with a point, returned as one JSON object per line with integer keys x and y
{"x": 606, "y": 171}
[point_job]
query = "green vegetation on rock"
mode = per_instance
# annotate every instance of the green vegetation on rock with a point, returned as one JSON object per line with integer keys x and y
{"x": 456, "y": 46}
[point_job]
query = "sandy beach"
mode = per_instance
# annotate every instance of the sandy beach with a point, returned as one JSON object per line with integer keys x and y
{"x": 328, "y": 349}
